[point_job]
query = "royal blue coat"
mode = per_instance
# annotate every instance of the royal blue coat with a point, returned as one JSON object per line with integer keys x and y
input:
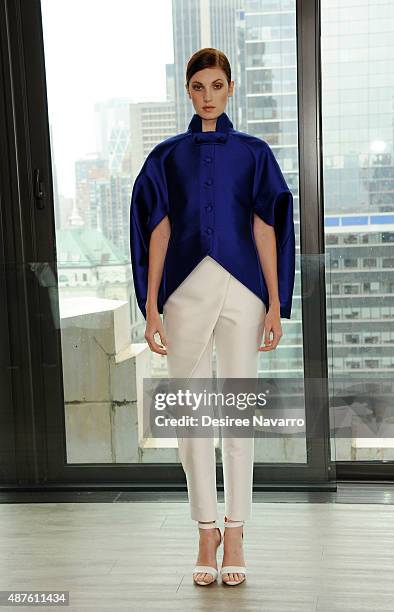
{"x": 210, "y": 184}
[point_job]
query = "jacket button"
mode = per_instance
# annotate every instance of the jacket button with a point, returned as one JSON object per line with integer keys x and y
{"x": 208, "y": 182}
{"x": 208, "y": 159}
{"x": 209, "y": 230}
{"x": 209, "y": 207}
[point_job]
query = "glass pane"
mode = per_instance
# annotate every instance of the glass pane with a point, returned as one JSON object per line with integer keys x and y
{"x": 113, "y": 94}
{"x": 269, "y": 110}
{"x": 358, "y": 91}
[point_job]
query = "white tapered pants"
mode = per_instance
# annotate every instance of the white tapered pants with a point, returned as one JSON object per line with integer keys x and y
{"x": 211, "y": 305}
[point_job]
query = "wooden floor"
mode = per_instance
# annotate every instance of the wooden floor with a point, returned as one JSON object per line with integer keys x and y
{"x": 326, "y": 557}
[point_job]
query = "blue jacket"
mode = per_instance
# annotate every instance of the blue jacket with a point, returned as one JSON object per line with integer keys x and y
{"x": 210, "y": 184}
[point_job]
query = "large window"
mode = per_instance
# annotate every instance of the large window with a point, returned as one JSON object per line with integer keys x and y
{"x": 113, "y": 93}
{"x": 358, "y": 93}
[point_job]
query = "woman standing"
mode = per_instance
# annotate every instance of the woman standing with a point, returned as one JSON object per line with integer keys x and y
{"x": 213, "y": 250}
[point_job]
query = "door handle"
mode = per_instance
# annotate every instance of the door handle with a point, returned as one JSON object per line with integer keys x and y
{"x": 38, "y": 189}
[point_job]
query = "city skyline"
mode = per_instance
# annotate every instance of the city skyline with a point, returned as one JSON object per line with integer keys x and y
{"x": 71, "y": 67}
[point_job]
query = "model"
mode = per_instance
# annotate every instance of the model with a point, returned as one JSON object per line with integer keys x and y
{"x": 213, "y": 250}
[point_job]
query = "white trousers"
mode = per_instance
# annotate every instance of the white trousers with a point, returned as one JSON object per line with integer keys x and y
{"x": 212, "y": 305}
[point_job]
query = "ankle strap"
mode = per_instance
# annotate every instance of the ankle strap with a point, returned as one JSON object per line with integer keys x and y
{"x": 233, "y": 523}
{"x": 210, "y": 525}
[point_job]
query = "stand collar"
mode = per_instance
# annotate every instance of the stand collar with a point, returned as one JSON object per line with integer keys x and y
{"x": 223, "y": 125}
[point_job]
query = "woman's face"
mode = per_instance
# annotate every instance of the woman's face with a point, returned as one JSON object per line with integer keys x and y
{"x": 209, "y": 90}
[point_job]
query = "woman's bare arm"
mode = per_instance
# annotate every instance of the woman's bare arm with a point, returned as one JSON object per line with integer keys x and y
{"x": 265, "y": 239}
{"x": 158, "y": 245}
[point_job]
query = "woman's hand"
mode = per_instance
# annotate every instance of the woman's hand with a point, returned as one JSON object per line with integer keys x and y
{"x": 272, "y": 323}
{"x": 154, "y": 325}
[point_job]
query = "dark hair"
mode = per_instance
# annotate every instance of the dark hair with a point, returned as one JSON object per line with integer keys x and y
{"x": 207, "y": 58}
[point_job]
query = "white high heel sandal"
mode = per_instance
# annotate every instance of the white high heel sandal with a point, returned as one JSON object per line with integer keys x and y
{"x": 207, "y": 569}
{"x": 233, "y": 569}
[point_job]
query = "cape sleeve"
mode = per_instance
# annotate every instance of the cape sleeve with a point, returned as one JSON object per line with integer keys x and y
{"x": 148, "y": 206}
{"x": 273, "y": 203}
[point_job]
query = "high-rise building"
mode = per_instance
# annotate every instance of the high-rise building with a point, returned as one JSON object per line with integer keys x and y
{"x": 205, "y": 23}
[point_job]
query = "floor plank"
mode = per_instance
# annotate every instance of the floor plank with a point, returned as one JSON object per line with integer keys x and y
{"x": 314, "y": 557}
